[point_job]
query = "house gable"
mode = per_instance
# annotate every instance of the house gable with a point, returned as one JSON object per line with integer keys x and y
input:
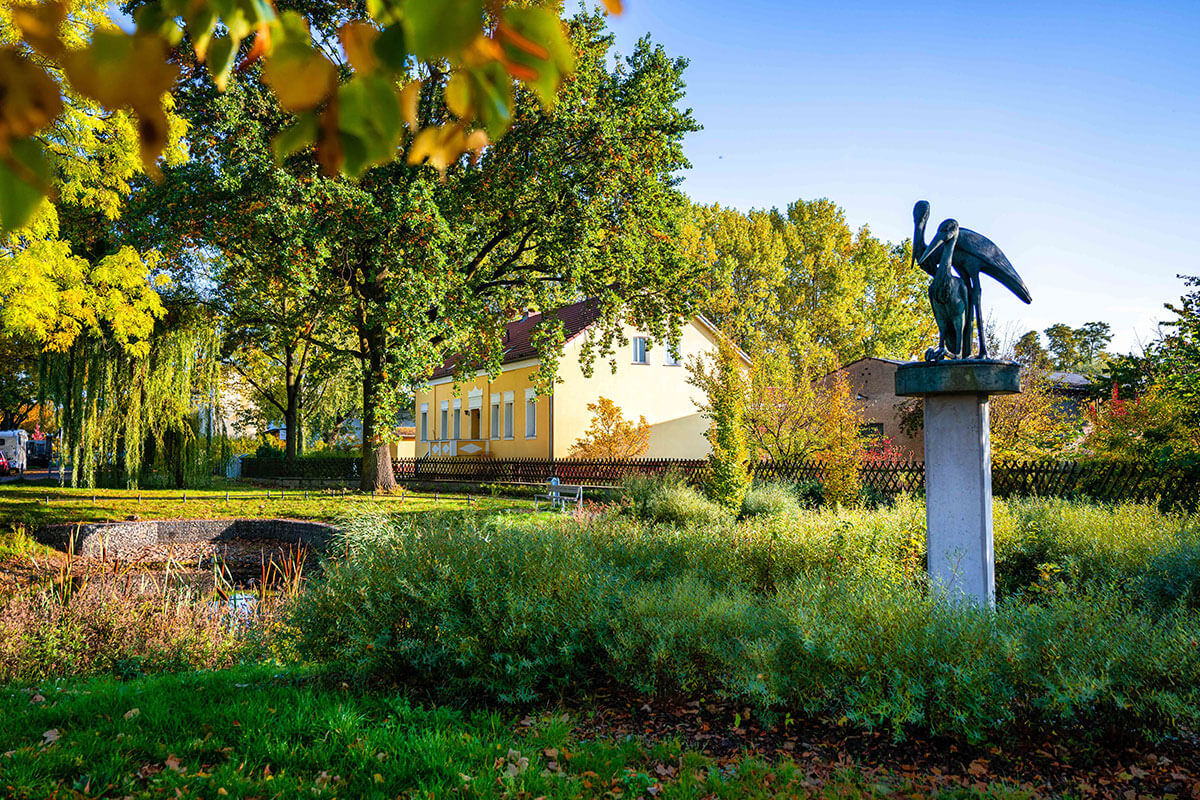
{"x": 657, "y": 389}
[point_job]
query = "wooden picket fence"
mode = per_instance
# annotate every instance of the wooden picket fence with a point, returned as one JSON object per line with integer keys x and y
{"x": 587, "y": 472}
{"x": 1107, "y": 481}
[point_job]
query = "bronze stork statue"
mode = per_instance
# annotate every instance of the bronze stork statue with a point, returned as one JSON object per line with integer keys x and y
{"x": 972, "y": 255}
{"x": 949, "y": 298}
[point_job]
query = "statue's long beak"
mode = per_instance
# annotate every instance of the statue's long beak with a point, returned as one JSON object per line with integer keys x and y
{"x": 933, "y": 247}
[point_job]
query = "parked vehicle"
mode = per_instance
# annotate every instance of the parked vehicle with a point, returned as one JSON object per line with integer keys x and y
{"x": 12, "y": 445}
{"x": 5, "y": 469}
{"x": 38, "y": 453}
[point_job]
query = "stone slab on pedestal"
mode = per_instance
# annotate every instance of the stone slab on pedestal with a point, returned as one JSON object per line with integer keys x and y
{"x": 958, "y": 469}
{"x": 966, "y": 376}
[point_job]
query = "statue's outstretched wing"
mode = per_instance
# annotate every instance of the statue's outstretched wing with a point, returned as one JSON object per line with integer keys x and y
{"x": 993, "y": 262}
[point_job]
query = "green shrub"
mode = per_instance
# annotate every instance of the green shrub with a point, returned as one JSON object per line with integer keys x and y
{"x": 1081, "y": 542}
{"x": 769, "y": 498}
{"x": 821, "y": 611}
{"x": 683, "y": 505}
{"x": 810, "y": 493}
{"x": 488, "y": 609}
{"x": 1172, "y": 576}
{"x": 268, "y": 450}
{"x": 671, "y": 500}
{"x": 888, "y": 656}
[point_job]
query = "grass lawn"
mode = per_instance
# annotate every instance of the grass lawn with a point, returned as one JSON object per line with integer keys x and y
{"x": 26, "y": 503}
{"x": 259, "y": 732}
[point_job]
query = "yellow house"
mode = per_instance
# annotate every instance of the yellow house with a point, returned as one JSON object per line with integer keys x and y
{"x": 506, "y": 418}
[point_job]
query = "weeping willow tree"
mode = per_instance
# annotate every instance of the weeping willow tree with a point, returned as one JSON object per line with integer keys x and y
{"x": 131, "y": 419}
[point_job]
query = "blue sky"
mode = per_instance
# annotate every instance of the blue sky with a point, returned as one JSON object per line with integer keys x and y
{"x": 1068, "y": 132}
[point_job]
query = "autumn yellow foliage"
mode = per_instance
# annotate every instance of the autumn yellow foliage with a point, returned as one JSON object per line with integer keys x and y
{"x": 610, "y": 435}
{"x": 1035, "y": 424}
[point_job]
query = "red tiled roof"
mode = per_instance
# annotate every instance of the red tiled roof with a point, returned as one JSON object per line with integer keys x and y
{"x": 518, "y": 347}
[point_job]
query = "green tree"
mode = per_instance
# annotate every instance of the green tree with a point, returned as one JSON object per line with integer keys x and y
{"x": 895, "y": 305}
{"x": 823, "y": 285}
{"x": 743, "y": 260}
{"x": 722, "y": 379}
{"x": 19, "y": 392}
{"x": 1079, "y": 349}
{"x": 803, "y": 283}
{"x": 65, "y": 273}
{"x": 1063, "y": 345}
{"x": 1170, "y": 363}
{"x": 1093, "y": 338}
{"x": 579, "y": 201}
{"x": 127, "y": 418}
{"x": 1029, "y": 352}
{"x": 1177, "y": 355}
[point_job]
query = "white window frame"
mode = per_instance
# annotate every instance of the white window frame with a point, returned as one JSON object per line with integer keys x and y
{"x": 494, "y": 422}
{"x": 644, "y": 343}
{"x": 441, "y": 431}
{"x": 509, "y": 413}
{"x": 457, "y": 419}
{"x": 672, "y": 358}
{"x": 530, "y": 413}
{"x": 424, "y": 422}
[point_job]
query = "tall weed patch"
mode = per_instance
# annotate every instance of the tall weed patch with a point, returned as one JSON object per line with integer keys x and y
{"x": 822, "y": 611}
{"x": 105, "y": 629}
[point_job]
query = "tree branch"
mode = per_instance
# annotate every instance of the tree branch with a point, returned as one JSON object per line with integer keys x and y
{"x": 266, "y": 395}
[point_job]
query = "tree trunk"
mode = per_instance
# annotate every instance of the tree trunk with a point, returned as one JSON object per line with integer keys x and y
{"x": 290, "y": 417}
{"x": 376, "y": 455}
{"x": 291, "y": 383}
{"x": 173, "y": 455}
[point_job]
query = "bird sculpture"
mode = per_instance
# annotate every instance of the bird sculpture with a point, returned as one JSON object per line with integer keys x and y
{"x": 949, "y": 298}
{"x": 973, "y": 254}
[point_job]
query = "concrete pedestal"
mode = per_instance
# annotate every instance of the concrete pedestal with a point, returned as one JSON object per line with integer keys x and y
{"x": 958, "y": 470}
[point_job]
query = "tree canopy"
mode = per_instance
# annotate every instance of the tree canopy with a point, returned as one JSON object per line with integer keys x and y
{"x": 803, "y": 283}
{"x": 344, "y": 71}
{"x": 577, "y": 201}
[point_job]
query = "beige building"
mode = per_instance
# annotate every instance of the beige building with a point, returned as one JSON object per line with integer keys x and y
{"x": 505, "y": 417}
{"x": 873, "y": 380}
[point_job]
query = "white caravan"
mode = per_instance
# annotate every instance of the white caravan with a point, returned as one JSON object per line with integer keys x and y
{"x": 13, "y": 444}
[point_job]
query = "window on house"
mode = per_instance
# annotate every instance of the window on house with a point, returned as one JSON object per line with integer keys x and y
{"x": 458, "y": 419}
{"x": 871, "y": 430}
{"x": 530, "y": 414}
{"x": 424, "y": 422}
{"x": 640, "y": 348}
{"x": 508, "y": 415}
{"x": 441, "y": 431}
{"x": 495, "y": 429}
{"x": 671, "y": 359}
